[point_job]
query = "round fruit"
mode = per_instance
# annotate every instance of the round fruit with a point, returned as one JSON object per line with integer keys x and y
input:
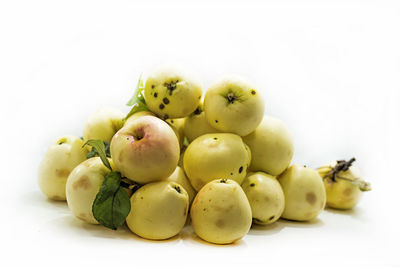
{"x": 58, "y": 162}
{"x": 265, "y": 196}
{"x": 271, "y": 146}
{"x": 158, "y": 210}
{"x": 177, "y": 126}
{"x": 220, "y": 212}
{"x": 82, "y": 187}
{"x": 171, "y": 94}
{"x": 179, "y": 177}
{"x": 103, "y": 124}
{"x": 145, "y": 150}
{"x": 138, "y": 115}
{"x": 197, "y": 125}
{"x": 234, "y": 105}
{"x": 212, "y": 156}
{"x": 343, "y": 187}
{"x": 304, "y": 193}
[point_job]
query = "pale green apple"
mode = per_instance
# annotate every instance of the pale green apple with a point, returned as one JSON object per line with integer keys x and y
{"x": 304, "y": 193}
{"x": 172, "y": 94}
{"x": 179, "y": 177}
{"x": 83, "y": 185}
{"x": 58, "y": 162}
{"x": 342, "y": 193}
{"x": 220, "y": 212}
{"x": 212, "y": 156}
{"x": 145, "y": 150}
{"x": 177, "y": 126}
{"x": 103, "y": 124}
{"x": 234, "y": 105}
{"x": 265, "y": 196}
{"x": 138, "y": 115}
{"x": 196, "y": 125}
{"x": 271, "y": 146}
{"x": 158, "y": 210}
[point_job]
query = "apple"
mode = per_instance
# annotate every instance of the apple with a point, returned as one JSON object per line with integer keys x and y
{"x": 145, "y": 150}
{"x": 233, "y": 105}
{"x": 103, "y": 124}
{"x": 304, "y": 193}
{"x": 171, "y": 93}
{"x": 196, "y": 125}
{"x": 220, "y": 212}
{"x": 158, "y": 210}
{"x": 265, "y": 196}
{"x": 138, "y": 115}
{"x": 271, "y": 146}
{"x": 83, "y": 184}
{"x": 177, "y": 126}
{"x": 213, "y": 156}
{"x": 341, "y": 193}
{"x": 58, "y": 162}
{"x": 179, "y": 177}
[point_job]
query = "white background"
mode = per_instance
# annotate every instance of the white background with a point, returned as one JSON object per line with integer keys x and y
{"x": 329, "y": 69}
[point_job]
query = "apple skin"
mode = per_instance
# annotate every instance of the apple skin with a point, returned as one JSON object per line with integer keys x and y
{"x": 304, "y": 192}
{"x": 83, "y": 184}
{"x": 196, "y": 125}
{"x": 177, "y": 126}
{"x": 172, "y": 94}
{"x": 138, "y": 115}
{"x": 271, "y": 146}
{"x": 179, "y": 177}
{"x": 145, "y": 150}
{"x": 265, "y": 196}
{"x": 342, "y": 194}
{"x": 58, "y": 162}
{"x": 234, "y": 105}
{"x": 103, "y": 124}
{"x": 216, "y": 155}
{"x": 220, "y": 212}
{"x": 158, "y": 210}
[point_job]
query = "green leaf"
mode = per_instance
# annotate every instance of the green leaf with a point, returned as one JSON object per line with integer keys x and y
{"x": 137, "y": 101}
{"x": 93, "y": 152}
{"x": 138, "y": 96}
{"x": 100, "y": 149}
{"x": 111, "y": 205}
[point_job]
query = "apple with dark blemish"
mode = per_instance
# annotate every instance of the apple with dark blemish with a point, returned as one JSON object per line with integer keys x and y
{"x": 179, "y": 177}
{"x": 172, "y": 93}
{"x": 216, "y": 155}
{"x": 83, "y": 184}
{"x": 304, "y": 193}
{"x": 60, "y": 159}
{"x": 234, "y": 105}
{"x": 145, "y": 150}
{"x": 220, "y": 212}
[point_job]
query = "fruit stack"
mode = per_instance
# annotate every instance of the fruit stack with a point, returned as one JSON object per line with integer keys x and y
{"x": 220, "y": 161}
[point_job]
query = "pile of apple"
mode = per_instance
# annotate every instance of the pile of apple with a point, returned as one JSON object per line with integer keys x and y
{"x": 220, "y": 161}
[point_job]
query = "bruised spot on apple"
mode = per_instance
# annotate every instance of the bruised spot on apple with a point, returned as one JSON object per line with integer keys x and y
{"x": 145, "y": 150}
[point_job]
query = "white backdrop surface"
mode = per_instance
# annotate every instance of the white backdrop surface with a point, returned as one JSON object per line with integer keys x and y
{"x": 329, "y": 69}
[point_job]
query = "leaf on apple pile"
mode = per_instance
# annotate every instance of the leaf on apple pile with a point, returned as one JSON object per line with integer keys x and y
{"x": 111, "y": 205}
{"x": 137, "y": 101}
{"x": 94, "y": 153}
{"x": 100, "y": 150}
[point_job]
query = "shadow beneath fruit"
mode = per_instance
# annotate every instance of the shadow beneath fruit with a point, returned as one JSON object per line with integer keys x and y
{"x": 297, "y": 224}
{"x": 36, "y": 199}
{"x": 188, "y": 236}
{"x": 355, "y": 213}
{"x": 269, "y": 229}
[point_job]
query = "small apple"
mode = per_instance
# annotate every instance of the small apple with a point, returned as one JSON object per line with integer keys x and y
{"x": 82, "y": 187}
{"x": 158, "y": 210}
{"x": 103, "y": 124}
{"x": 265, "y": 196}
{"x": 343, "y": 185}
{"x": 220, "y": 212}
{"x": 179, "y": 177}
{"x": 212, "y": 156}
{"x": 271, "y": 146}
{"x": 196, "y": 125}
{"x": 172, "y": 94}
{"x": 145, "y": 150}
{"x": 58, "y": 162}
{"x": 177, "y": 126}
{"x": 304, "y": 193}
{"x": 138, "y": 115}
{"x": 234, "y": 105}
